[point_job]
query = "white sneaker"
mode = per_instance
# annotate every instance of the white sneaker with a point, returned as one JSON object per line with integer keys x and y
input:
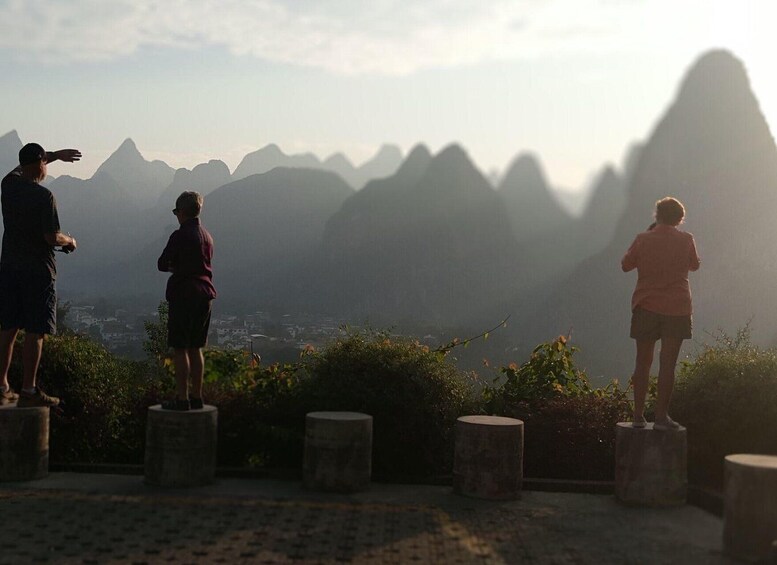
{"x": 667, "y": 425}
{"x": 638, "y": 423}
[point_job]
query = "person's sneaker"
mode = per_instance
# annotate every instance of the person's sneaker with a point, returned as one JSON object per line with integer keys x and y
{"x": 638, "y": 423}
{"x": 8, "y": 396}
{"x": 176, "y": 404}
{"x": 195, "y": 403}
{"x": 36, "y": 399}
{"x": 667, "y": 425}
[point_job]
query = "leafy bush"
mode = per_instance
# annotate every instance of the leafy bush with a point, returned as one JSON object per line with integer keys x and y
{"x": 569, "y": 428}
{"x": 726, "y": 398}
{"x": 413, "y": 394}
{"x": 256, "y": 407}
{"x": 96, "y": 421}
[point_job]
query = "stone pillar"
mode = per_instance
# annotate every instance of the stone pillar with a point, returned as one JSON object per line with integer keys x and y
{"x": 24, "y": 443}
{"x": 181, "y": 446}
{"x": 651, "y": 466}
{"x": 488, "y": 458}
{"x": 338, "y": 451}
{"x": 750, "y": 522}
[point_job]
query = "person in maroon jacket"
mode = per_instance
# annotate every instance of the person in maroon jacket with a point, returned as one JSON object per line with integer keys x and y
{"x": 189, "y": 294}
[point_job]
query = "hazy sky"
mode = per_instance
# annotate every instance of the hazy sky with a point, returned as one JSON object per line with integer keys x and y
{"x": 575, "y": 81}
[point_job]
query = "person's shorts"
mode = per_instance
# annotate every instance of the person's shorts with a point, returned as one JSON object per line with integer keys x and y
{"x": 28, "y": 301}
{"x": 647, "y": 325}
{"x": 188, "y": 322}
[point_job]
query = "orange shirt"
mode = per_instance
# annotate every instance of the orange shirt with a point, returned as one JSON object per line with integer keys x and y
{"x": 662, "y": 256}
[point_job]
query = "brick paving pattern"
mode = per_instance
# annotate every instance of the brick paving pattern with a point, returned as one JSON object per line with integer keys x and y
{"x": 65, "y": 526}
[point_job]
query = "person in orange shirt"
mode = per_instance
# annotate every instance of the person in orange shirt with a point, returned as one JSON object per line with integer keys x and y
{"x": 661, "y": 305}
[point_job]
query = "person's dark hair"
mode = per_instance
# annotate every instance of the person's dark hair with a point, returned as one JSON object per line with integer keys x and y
{"x": 670, "y": 211}
{"x": 190, "y": 203}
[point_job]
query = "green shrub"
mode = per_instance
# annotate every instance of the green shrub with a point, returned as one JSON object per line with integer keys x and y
{"x": 726, "y": 397}
{"x": 257, "y": 407}
{"x": 413, "y": 394}
{"x": 96, "y": 420}
{"x": 569, "y": 428}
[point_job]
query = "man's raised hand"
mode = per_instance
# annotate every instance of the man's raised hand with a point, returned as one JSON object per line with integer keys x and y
{"x": 67, "y": 155}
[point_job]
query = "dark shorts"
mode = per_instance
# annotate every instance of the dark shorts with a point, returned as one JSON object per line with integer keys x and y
{"x": 28, "y": 301}
{"x": 651, "y": 326}
{"x": 188, "y": 322}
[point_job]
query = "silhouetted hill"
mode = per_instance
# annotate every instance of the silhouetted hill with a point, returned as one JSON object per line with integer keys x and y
{"x": 429, "y": 244}
{"x": 264, "y": 226}
{"x": 713, "y": 150}
{"x": 384, "y": 164}
{"x": 269, "y": 157}
{"x": 142, "y": 181}
{"x": 9, "y": 152}
{"x": 341, "y": 166}
{"x": 550, "y": 255}
{"x": 602, "y": 213}
{"x": 204, "y": 178}
{"x": 532, "y": 208}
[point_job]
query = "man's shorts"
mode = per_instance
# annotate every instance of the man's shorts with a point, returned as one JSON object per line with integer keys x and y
{"x": 188, "y": 322}
{"x": 28, "y": 301}
{"x": 650, "y": 326}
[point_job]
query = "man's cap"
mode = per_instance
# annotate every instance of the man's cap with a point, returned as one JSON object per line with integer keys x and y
{"x": 30, "y": 153}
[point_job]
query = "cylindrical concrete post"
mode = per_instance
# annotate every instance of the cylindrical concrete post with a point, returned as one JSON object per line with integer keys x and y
{"x": 750, "y": 522}
{"x": 181, "y": 446}
{"x": 24, "y": 443}
{"x": 338, "y": 451}
{"x": 651, "y": 466}
{"x": 488, "y": 457}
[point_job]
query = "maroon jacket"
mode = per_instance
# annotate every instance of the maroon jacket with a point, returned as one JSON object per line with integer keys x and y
{"x": 187, "y": 255}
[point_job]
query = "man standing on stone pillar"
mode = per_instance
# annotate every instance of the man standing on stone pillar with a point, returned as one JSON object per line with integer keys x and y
{"x": 28, "y": 269}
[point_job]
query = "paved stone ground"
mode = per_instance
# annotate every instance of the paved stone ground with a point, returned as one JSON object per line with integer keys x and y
{"x": 83, "y": 518}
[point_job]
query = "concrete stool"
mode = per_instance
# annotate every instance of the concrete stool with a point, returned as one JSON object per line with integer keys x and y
{"x": 338, "y": 451}
{"x": 750, "y": 523}
{"x": 24, "y": 443}
{"x": 488, "y": 457}
{"x": 181, "y": 446}
{"x": 651, "y": 466}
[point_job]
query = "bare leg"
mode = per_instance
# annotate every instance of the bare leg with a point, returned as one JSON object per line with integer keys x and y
{"x": 670, "y": 350}
{"x": 197, "y": 369}
{"x": 641, "y": 375}
{"x": 7, "y": 341}
{"x": 182, "y": 369}
{"x": 33, "y": 348}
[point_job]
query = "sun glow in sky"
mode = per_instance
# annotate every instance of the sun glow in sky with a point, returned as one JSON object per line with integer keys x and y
{"x": 574, "y": 81}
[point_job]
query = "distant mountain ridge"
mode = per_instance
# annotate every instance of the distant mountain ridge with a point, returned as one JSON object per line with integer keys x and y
{"x": 434, "y": 244}
{"x": 424, "y": 242}
{"x": 382, "y": 164}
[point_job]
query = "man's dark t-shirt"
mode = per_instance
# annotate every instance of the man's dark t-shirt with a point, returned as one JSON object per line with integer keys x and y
{"x": 29, "y": 212}
{"x": 188, "y": 255}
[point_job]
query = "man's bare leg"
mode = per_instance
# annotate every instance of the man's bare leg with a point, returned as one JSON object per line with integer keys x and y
{"x": 670, "y": 351}
{"x": 196, "y": 370}
{"x": 7, "y": 342}
{"x": 182, "y": 369}
{"x": 639, "y": 379}
{"x": 31, "y": 353}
